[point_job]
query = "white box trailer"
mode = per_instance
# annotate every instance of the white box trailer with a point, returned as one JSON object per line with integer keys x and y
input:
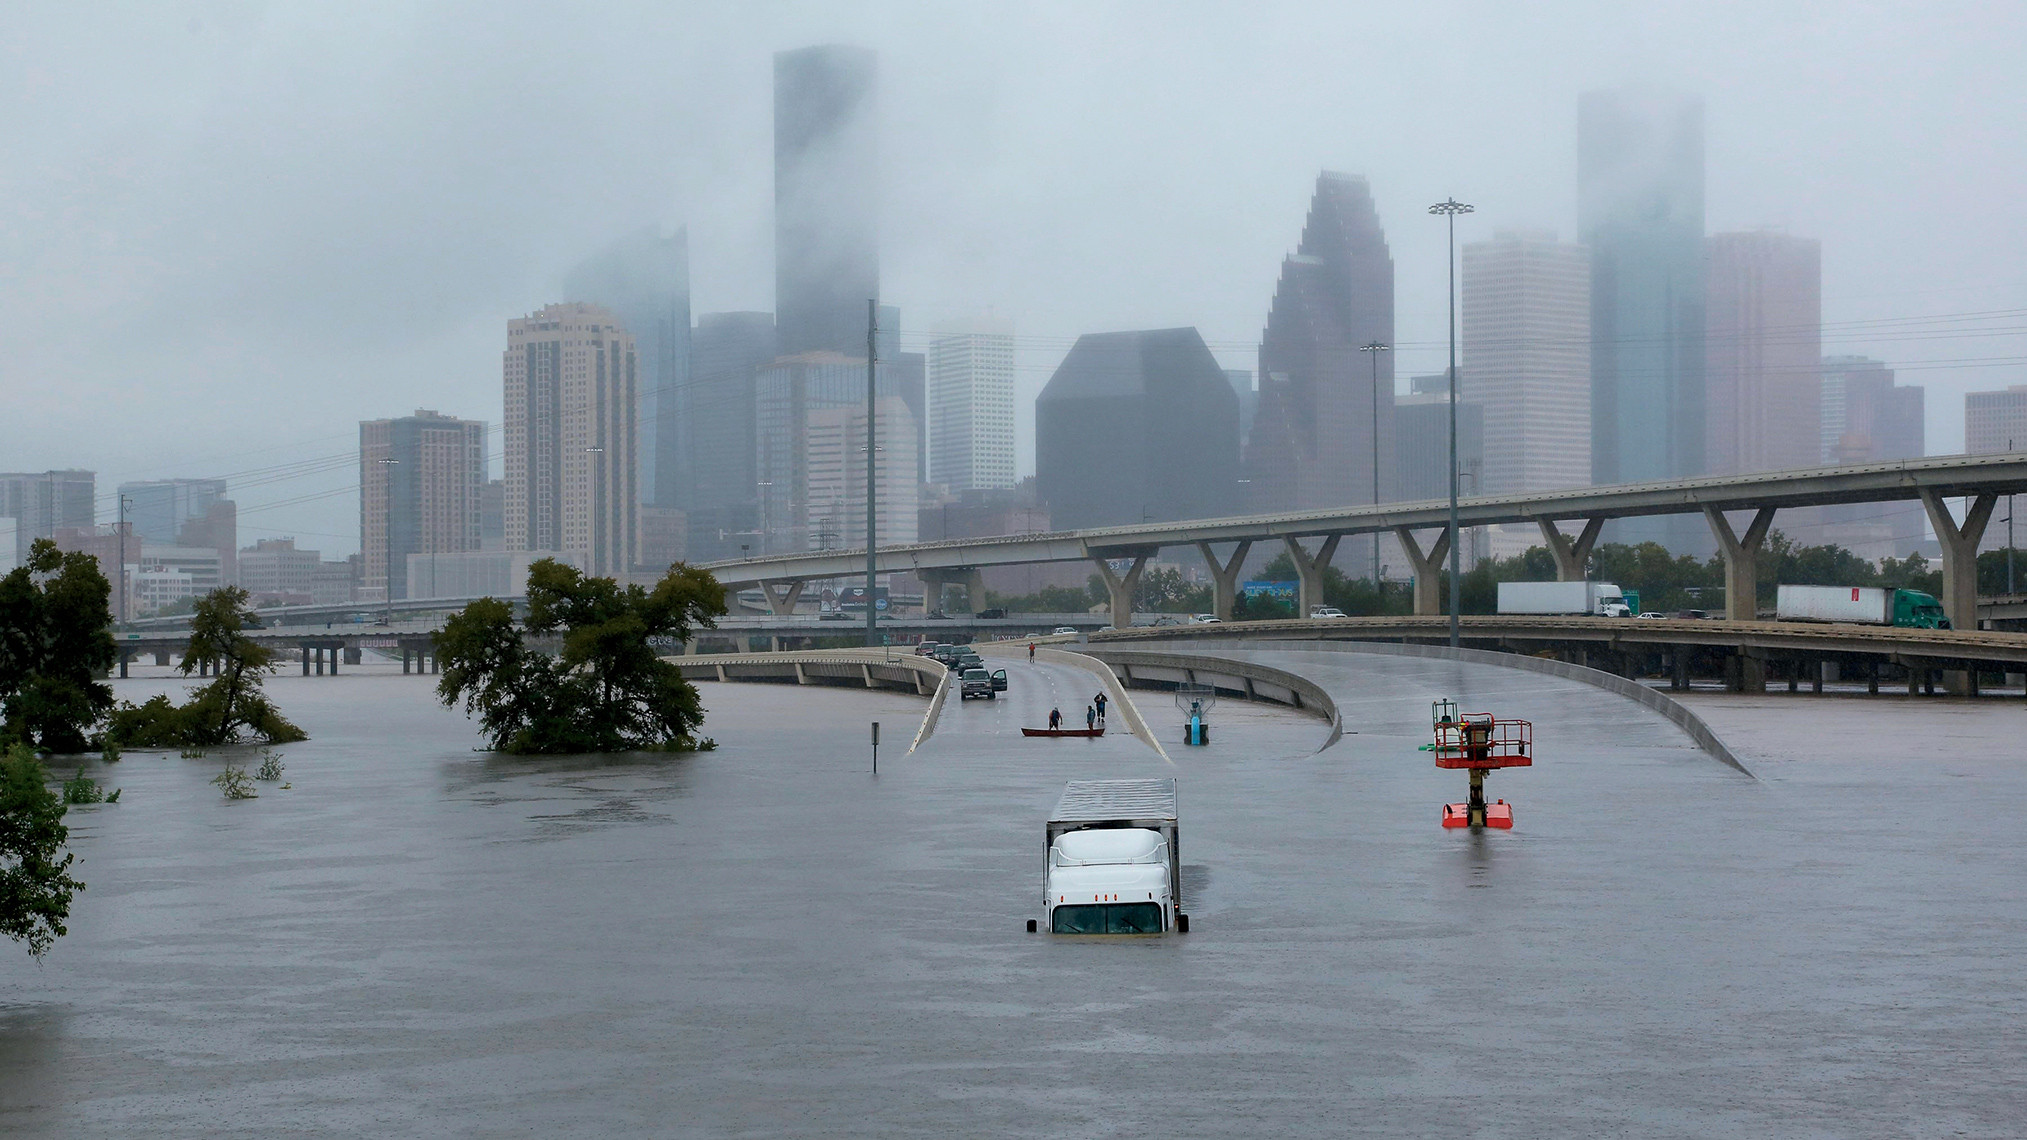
{"x": 1862, "y": 605}
{"x": 1597, "y": 599}
{"x": 1113, "y": 863}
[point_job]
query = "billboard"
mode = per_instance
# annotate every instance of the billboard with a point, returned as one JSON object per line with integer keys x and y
{"x": 1283, "y": 590}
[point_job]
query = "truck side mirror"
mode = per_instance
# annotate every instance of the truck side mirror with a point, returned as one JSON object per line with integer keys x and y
{"x": 1031, "y": 926}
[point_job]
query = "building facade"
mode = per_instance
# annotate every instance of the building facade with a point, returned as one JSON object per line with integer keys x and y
{"x": 1764, "y": 352}
{"x": 1640, "y": 212}
{"x": 1322, "y": 428}
{"x": 644, "y": 280}
{"x": 723, "y": 499}
{"x": 1866, "y": 418}
{"x": 273, "y": 571}
{"x": 1525, "y": 312}
{"x": 421, "y": 481}
{"x": 43, "y": 502}
{"x": 971, "y": 406}
{"x": 788, "y": 392}
{"x": 835, "y": 503}
{"x": 1995, "y": 422}
{"x": 1137, "y": 426}
{"x": 826, "y": 197}
{"x": 572, "y": 387}
{"x": 158, "y": 508}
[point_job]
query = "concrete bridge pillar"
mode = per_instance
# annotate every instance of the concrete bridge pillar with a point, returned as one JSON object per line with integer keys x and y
{"x": 306, "y": 659}
{"x": 1121, "y": 587}
{"x": 1428, "y": 568}
{"x": 1960, "y": 553}
{"x": 353, "y": 655}
{"x": 1225, "y": 577}
{"x": 1570, "y": 553}
{"x": 1309, "y": 569}
{"x": 162, "y": 657}
{"x": 124, "y": 658}
{"x": 783, "y": 603}
{"x": 1741, "y": 561}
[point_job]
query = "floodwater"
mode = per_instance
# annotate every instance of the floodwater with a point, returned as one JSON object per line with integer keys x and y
{"x": 765, "y": 940}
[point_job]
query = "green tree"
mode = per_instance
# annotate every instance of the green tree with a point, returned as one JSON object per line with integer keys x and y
{"x": 55, "y": 642}
{"x": 606, "y": 690}
{"x": 233, "y": 703}
{"x": 35, "y": 888}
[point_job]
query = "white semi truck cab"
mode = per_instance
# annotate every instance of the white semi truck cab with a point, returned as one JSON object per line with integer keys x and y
{"x": 1113, "y": 860}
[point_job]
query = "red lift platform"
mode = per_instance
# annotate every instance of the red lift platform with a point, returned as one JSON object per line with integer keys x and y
{"x": 1479, "y": 743}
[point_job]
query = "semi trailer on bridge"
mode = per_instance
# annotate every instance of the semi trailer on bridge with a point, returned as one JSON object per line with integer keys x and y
{"x": 1598, "y": 599}
{"x": 1859, "y": 605}
{"x": 1114, "y": 860}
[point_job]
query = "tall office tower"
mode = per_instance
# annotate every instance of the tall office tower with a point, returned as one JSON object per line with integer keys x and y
{"x": 1422, "y": 443}
{"x": 1525, "y": 313}
{"x": 971, "y": 406}
{"x": 1995, "y": 422}
{"x": 572, "y": 381}
{"x": 1866, "y": 418}
{"x": 1320, "y": 416}
{"x": 826, "y": 198}
{"x": 644, "y": 280}
{"x": 1640, "y": 210}
{"x": 786, "y": 393}
{"x": 724, "y": 498}
{"x": 158, "y": 508}
{"x": 1241, "y": 380}
{"x": 835, "y": 505}
{"x": 1137, "y": 426}
{"x": 1763, "y": 352}
{"x": 422, "y": 481}
{"x": 43, "y": 502}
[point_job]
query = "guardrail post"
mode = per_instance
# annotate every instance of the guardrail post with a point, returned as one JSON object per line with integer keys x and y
{"x": 1225, "y": 577}
{"x": 1428, "y": 568}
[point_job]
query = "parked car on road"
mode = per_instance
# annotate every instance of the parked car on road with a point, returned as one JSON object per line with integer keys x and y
{"x": 976, "y": 683}
{"x": 927, "y": 649}
{"x": 1326, "y": 612}
{"x": 990, "y": 614}
{"x": 1070, "y": 629}
{"x": 1205, "y": 619}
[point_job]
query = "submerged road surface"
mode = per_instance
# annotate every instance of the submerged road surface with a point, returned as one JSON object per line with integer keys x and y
{"x": 768, "y": 940}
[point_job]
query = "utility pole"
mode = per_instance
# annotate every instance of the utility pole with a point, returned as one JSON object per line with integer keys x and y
{"x": 872, "y": 465}
{"x": 1450, "y": 208}
{"x": 2009, "y": 537}
{"x": 121, "y": 529}
{"x": 1373, "y": 348}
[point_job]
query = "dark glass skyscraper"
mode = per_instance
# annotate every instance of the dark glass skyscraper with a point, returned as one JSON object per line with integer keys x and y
{"x": 644, "y": 280}
{"x": 1640, "y": 210}
{"x": 826, "y": 198}
{"x": 1137, "y": 425}
{"x": 723, "y": 500}
{"x": 1312, "y": 438}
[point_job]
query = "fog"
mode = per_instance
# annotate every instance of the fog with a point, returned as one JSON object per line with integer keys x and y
{"x": 230, "y": 231}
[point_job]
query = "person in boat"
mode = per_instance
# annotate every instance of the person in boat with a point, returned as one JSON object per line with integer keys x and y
{"x": 1055, "y": 719}
{"x": 1091, "y": 718}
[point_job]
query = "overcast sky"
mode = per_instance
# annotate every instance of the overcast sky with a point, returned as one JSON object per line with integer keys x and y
{"x": 229, "y": 231}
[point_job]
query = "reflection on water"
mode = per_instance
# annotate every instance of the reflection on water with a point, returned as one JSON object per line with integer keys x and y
{"x": 766, "y": 940}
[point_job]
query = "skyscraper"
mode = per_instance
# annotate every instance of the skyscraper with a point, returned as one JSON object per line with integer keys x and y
{"x": 644, "y": 280}
{"x": 1640, "y": 210}
{"x": 158, "y": 508}
{"x": 43, "y": 502}
{"x": 1764, "y": 354}
{"x": 572, "y": 384}
{"x": 1995, "y": 422}
{"x": 1313, "y": 434}
{"x": 971, "y": 406}
{"x": 1526, "y": 342}
{"x": 723, "y": 500}
{"x": 789, "y": 391}
{"x": 1137, "y": 425}
{"x": 826, "y": 198}
{"x": 835, "y": 458}
{"x": 1866, "y": 418}
{"x": 422, "y": 479}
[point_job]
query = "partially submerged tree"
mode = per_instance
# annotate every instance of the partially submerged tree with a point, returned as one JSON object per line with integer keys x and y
{"x": 607, "y": 690}
{"x": 35, "y": 888}
{"x": 55, "y": 642}
{"x": 232, "y": 704}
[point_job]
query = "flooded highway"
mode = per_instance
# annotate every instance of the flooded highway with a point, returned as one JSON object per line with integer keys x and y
{"x": 767, "y": 939}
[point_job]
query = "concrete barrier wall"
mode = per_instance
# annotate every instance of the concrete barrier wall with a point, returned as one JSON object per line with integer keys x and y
{"x": 1248, "y": 678}
{"x": 935, "y": 712}
{"x": 1660, "y": 702}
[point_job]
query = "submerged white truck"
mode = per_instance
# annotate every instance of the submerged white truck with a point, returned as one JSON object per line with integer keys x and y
{"x": 1113, "y": 860}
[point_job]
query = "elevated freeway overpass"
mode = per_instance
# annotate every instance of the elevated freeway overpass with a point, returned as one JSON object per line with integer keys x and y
{"x": 1311, "y": 537}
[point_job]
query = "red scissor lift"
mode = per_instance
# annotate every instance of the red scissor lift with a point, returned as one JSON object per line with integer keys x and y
{"x": 1479, "y": 743}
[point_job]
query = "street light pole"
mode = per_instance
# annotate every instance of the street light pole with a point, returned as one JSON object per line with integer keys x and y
{"x": 1450, "y": 208}
{"x": 1373, "y": 348}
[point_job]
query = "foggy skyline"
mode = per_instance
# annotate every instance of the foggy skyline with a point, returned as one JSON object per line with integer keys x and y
{"x": 232, "y": 232}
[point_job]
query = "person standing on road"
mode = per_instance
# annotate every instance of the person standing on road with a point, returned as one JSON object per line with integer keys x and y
{"x": 1099, "y": 702}
{"x": 1090, "y": 718}
{"x": 1055, "y": 719}
{"x": 1031, "y": 653}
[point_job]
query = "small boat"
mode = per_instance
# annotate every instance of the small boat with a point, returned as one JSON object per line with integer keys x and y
{"x": 1100, "y": 731}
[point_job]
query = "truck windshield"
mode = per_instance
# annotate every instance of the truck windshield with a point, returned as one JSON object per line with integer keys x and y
{"x": 1116, "y": 918}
